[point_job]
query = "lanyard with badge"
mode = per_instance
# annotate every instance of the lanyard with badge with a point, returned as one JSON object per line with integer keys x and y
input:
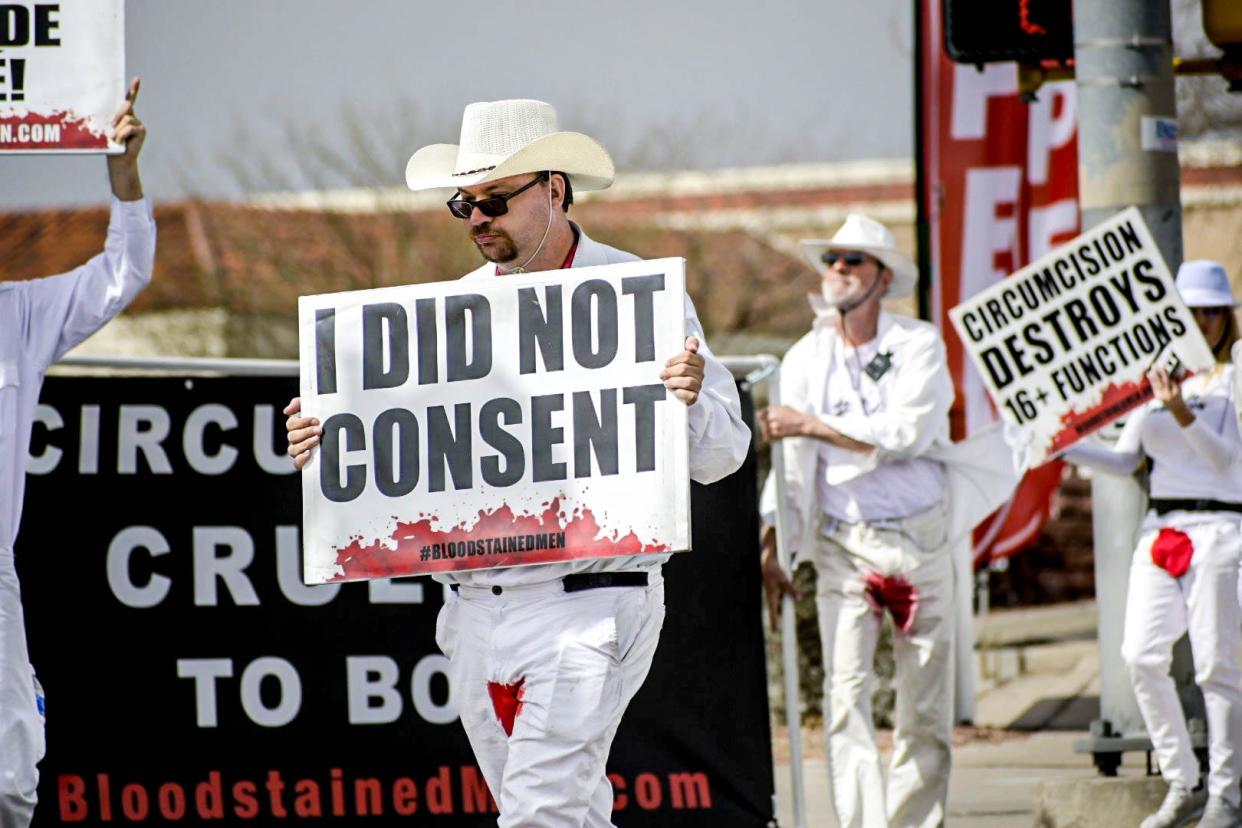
{"x": 875, "y": 369}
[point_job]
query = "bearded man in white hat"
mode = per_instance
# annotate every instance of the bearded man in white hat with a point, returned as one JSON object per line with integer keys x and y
{"x": 864, "y": 426}
{"x": 545, "y": 658}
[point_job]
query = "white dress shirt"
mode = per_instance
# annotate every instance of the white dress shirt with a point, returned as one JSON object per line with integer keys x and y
{"x": 41, "y": 319}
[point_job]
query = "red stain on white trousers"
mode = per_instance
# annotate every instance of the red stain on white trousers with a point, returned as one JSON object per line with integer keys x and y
{"x": 895, "y": 594}
{"x": 506, "y": 701}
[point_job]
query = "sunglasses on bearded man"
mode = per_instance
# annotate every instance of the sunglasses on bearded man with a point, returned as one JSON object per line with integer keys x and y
{"x": 493, "y": 205}
{"x": 853, "y": 259}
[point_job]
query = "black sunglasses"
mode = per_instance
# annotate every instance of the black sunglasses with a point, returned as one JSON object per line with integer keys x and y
{"x": 492, "y": 206}
{"x": 852, "y": 258}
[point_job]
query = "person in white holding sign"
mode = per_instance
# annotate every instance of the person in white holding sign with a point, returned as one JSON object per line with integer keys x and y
{"x": 874, "y": 492}
{"x": 546, "y": 657}
{"x": 1184, "y": 575}
{"x": 40, "y": 320}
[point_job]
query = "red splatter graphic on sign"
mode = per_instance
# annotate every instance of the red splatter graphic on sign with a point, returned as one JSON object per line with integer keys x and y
{"x": 53, "y": 130}
{"x": 895, "y": 594}
{"x": 1172, "y": 551}
{"x": 506, "y": 701}
{"x": 498, "y": 538}
{"x": 1116, "y": 401}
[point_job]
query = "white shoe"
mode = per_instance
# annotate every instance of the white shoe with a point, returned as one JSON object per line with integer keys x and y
{"x": 1220, "y": 814}
{"x": 1179, "y": 807}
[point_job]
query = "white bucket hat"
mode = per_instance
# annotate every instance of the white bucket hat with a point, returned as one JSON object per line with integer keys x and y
{"x": 1204, "y": 284}
{"x": 866, "y": 234}
{"x": 504, "y": 138}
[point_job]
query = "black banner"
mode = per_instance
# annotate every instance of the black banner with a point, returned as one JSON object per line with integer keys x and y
{"x": 191, "y": 677}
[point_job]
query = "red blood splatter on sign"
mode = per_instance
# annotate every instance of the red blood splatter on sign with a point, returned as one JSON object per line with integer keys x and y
{"x": 1116, "y": 401}
{"x": 506, "y": 701}
{"x": 498, "y": 538}
{"x": 895, "y": 594}
{"x": 53, "y": 130}
{"x": 1172, "y": 551}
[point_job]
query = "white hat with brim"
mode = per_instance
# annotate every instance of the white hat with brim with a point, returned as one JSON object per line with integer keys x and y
{"x": 869, "y": 236}
{"x": 504, "y": 138}
{"x": 1204, "y": 284}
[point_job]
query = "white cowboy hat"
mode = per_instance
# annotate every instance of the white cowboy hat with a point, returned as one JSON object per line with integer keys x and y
{"x": 866, "y": 234}
{"x": 504, "y": 138}
{"x": 1204, "y": 284}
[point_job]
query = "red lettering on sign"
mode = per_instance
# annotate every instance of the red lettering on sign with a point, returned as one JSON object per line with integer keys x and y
{"x": 70, "y": 793}
{"x": 647, "y": 791}
{"x": 476, "y": 798}
{"x": 209, "y": 797}
{"x": 405, "y": 797}
{"x": 440, "y": 793}
{"x": 135, "y": 803}
{"x": 247, "y": 804}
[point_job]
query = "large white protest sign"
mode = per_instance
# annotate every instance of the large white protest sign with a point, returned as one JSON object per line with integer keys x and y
{"x": 62, "y": 75}
{"x": 490, "y": 423}
{"x": 1064, "y": 344}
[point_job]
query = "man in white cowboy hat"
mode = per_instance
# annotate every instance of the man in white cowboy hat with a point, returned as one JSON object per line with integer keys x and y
{"x": 864, "y": 426}
{"x": 545, "y": 658}
{"x": 40, "y": 320}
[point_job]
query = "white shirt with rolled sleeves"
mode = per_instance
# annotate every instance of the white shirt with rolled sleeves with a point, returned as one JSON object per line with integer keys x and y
{"x": 719, "y": 440}
{"x": 40, "y": 320}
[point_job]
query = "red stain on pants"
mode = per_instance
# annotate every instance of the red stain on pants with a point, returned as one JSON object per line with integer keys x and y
{"x": 895, "y": 594}
{"x": 506, "y": 701}
{"x": 1172, "y": 551}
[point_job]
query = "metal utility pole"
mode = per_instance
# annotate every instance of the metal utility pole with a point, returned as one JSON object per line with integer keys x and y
{"x": 1127, "y": 150}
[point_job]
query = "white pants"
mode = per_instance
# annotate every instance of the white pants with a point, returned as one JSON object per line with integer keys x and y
{"x": 1204, "y": 603}
{"x": 911, "y": 553}
{"x": 21, "y": 726}
{"x": 572, "y": 661}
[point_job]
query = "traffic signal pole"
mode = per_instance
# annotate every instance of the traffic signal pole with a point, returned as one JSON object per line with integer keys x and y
{"x": 1127, "y": 151}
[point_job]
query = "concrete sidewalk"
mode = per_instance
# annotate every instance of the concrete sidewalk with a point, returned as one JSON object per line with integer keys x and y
{"x": 994, "y": 782}
{"x": 1037, "y": 692}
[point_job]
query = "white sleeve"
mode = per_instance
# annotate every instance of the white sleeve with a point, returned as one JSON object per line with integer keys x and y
{"x": 1219, "y": 453}
{"x": 1101, "y": 458}
{"x": 1122, "y": 458}
{"x": 1237, "y": 382}
{"x": 719, "y": 439}
{"x": 66, "y": 309}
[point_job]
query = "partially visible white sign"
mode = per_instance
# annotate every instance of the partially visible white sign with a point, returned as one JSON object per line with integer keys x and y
{"x": 1158, "y": 134}
{"x": 62, "y": 75}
